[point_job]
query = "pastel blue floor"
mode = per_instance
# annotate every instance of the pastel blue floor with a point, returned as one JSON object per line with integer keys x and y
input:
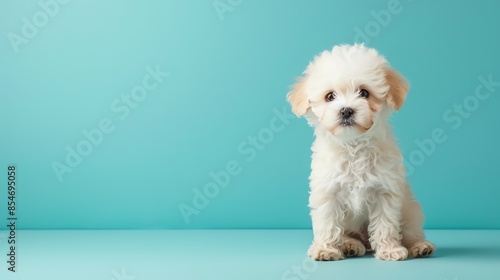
{"x": 234, "y": 254}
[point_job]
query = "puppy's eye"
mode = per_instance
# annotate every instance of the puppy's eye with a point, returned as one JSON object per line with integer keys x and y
{"x": 329, "y": 97}
{"x": 364, "y": 93}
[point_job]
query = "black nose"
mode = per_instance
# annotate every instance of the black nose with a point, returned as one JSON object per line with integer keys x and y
{"x": 346, "y": 112}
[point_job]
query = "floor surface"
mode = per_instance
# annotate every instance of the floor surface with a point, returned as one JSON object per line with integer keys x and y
{"x": 233, "y": 254}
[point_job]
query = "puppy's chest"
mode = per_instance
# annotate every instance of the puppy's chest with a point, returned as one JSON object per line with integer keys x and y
{"x": 355, "y": 198}
{"x": 354, "y": 171}
{"x": 355, "y": 179}
{"x": 354, "y": 168}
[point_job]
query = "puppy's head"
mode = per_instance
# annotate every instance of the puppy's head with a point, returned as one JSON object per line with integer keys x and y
{"x": 346, "y": 89}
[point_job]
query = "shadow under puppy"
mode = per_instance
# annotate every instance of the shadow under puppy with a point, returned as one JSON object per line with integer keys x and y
{"x": 359, "y": 196}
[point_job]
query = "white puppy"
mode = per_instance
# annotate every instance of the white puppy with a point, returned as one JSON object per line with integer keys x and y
{"x": 359, "y": 199}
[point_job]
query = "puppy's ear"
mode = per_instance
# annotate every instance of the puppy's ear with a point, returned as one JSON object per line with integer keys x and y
{"x": 398, "y": 88}
{"x": 298, "y": 97}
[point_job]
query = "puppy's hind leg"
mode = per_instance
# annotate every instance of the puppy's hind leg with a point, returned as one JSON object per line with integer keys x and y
{"x": 352, "y": 247}
{"x": 413, "y": 234}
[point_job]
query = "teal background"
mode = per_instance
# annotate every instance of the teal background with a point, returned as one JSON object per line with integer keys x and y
{"x": 210, "y": 254}
{"x": 227, "y": 76}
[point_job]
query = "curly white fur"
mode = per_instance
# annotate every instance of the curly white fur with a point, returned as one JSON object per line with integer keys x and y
{"x": 359, "y": 197}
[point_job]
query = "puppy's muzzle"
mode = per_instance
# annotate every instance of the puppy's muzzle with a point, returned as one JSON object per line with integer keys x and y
{"x": 346, "y": 116}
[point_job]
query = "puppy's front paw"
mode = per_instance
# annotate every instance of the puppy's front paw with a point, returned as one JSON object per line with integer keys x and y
{"x": 324, "y": 252}
{"x": 392, "y": 254}
{"x": 353, "y": 247}
{"x": 422, "y": 249}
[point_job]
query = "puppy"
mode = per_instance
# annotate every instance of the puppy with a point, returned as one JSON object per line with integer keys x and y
{"x": 359, "y": 197}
